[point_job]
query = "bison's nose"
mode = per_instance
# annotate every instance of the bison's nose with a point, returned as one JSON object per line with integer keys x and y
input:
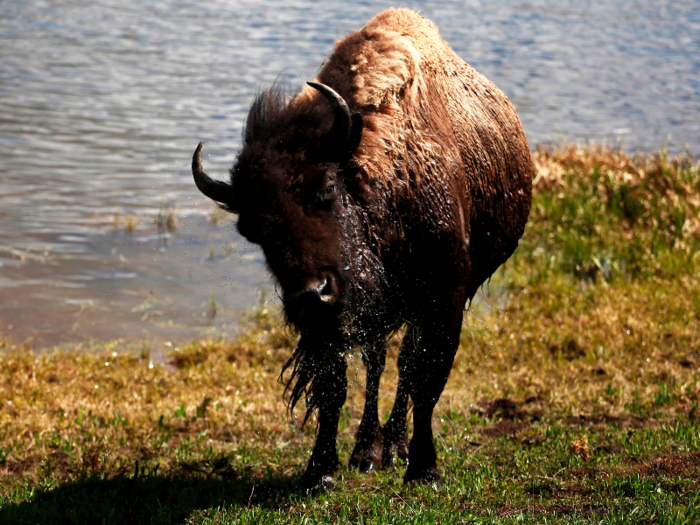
{"x": 306, "y": 305}
{"x": 324, "y": 289}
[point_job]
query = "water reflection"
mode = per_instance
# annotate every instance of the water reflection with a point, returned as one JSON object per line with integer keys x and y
{"x": 102, "y": 103}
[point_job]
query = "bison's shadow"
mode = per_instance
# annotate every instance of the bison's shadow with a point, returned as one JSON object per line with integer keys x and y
{"x": 151, "y": 499}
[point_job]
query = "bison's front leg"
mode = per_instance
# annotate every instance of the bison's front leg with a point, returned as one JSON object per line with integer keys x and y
{"x": 329, "y": 389}
{"x": 367, "y": 455}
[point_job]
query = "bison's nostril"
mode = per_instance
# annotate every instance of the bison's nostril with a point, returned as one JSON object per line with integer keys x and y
{"x": 319, "y": 288}
{"x": 323, "y": 290}
{"x": 327, "y": 290}
{"x": 313, "y": 300}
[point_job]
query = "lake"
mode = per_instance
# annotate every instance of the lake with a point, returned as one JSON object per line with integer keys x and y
{"x": 103, "y": 102}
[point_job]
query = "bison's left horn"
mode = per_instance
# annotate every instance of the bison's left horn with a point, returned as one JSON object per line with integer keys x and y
{"x": 214, "y": 189}
{"x": 342, "y": 121}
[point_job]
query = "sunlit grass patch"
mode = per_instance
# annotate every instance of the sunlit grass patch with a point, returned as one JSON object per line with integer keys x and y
{"x": 573, "y": 399}
{"x": 598, "y": 213}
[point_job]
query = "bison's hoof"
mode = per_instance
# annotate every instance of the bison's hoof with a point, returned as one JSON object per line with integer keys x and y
{"x": 311, "y": 484}
{"x": 402, "y": 450}
{"x": 394, "y": 450}
{"x": 364, "y": 462}
{"x": 367, "y": 456}
{"x": 429, "y": 476}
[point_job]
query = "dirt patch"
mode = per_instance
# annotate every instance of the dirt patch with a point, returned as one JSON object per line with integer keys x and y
{"x": 505, "y": 408}
{"x": 541, "y": 488}
{"x": 61, "y": 460}
{"x": 569, "y": 350}
{"x": 503, "y": 428}
{"x": 571, "y": 489}
{"x": 513, "y": 415}
{"x": 17, "y": 467}
{"x": 532, "y": 440}
{"x": 608, "y": 449}
{"x": 585, "y": 473}
{"x": 607, "y": 419}
{"x": 673, "y": 465}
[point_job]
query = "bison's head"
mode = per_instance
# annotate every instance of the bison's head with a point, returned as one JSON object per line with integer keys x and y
{"x": 288, "y": 187}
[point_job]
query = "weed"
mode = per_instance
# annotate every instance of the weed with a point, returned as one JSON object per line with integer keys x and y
{"x": 213, "y": 309}
{"x": 218, "y": 215}
{"x": 166, "y": 220}
{"x": 129, "y": 225}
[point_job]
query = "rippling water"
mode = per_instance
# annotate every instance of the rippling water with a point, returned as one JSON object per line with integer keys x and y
{"x": 102, "y": 103}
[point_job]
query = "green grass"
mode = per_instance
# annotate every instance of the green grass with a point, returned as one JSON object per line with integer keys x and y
{"x": 573, "y": 399}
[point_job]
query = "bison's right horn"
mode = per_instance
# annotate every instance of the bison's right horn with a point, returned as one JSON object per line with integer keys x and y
{"x": 342, "y": 121}
{"x": 214, "y": 189}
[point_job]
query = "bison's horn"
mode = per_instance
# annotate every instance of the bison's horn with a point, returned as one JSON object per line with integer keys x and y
{"x": 215, "y": 190}
{"x": 342, "y": 121}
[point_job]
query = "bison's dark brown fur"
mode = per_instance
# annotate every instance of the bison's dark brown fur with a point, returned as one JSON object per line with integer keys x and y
{"x": 397, "y": 224}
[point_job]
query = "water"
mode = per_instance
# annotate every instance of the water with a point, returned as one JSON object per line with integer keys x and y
{"x": 103, "y": 102}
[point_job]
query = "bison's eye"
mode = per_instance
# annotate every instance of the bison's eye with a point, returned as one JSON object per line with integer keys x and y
{"x": 330, "y": 193}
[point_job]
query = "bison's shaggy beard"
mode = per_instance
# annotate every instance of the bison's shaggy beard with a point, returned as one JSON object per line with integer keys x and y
{"x": 319, "y": 359}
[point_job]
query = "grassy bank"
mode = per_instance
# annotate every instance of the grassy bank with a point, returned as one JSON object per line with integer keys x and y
{"x": 574, "y": 397}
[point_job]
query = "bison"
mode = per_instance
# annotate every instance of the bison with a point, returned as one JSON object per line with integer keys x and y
{"x": 383, "y": 195}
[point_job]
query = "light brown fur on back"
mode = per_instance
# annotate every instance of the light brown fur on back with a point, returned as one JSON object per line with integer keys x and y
{"x": 435, "y": 128}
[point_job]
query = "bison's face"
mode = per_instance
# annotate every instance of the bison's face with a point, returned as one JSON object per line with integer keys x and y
{"x": 288, "y": 188}
{"x": 296, "y": 211}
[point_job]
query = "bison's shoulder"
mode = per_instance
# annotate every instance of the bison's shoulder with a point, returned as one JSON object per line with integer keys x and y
{"x": 390, "y": 53}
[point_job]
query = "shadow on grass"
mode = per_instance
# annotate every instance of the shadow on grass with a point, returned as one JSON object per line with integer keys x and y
{"x": 153, "y": 499}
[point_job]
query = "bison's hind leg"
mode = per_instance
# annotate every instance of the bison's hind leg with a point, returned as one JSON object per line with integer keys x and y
{"x": 395, "y": 437}
{"x": 428, "y": 368}
{"x": 395, "y": 442}
{"x": 367, "y": 455}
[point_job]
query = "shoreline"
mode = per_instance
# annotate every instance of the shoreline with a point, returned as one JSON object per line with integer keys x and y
{"x": 140, "y": 308}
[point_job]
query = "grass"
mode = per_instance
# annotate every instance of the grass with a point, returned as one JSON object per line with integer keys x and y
{"x": 574, "y": 397}
{"x": 166, "y": 220}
